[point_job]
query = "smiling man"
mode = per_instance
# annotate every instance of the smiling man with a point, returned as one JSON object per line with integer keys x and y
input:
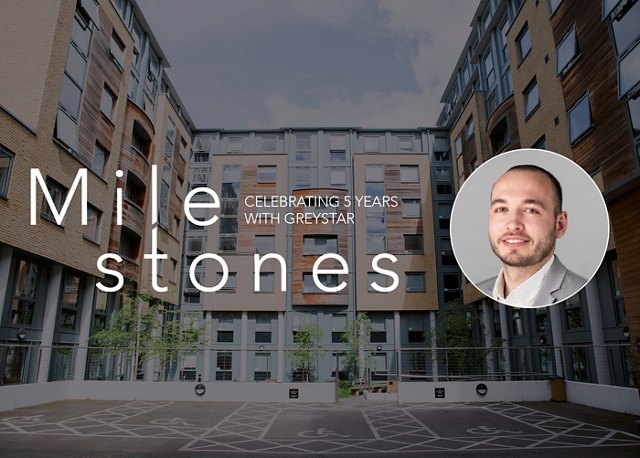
{"x": 525, "y": 220}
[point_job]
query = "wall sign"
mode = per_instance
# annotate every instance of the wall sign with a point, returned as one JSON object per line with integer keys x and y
{"x": 481, "y": 389}
{"x": 293, "y": 393}
{"x": 439, "y": 392}
{"x": 200, "y": 389}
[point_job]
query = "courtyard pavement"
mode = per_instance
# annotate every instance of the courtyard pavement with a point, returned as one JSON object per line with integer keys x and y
{"x": 353, "y": 427}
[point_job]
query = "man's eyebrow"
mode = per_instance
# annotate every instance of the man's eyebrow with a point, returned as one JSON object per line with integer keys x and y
{"x": 498, "y": 201}
{"x": 534, "y": 202}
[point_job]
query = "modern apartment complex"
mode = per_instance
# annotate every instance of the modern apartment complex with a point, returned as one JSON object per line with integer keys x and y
{"x": 322, "y": 169}
{"x": 83, "y": 88}
{"x": 563, "y": 76}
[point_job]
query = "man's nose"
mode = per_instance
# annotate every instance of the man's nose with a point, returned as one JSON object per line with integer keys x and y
{"x": 514, "y": 222}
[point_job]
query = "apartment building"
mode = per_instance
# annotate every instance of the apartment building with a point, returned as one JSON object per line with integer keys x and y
{"x": 560, "y": 75}
{"x": 252, "y": 332}
{"x": 87, "y": 91}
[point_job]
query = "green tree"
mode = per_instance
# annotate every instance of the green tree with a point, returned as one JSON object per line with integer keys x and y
{"x": 303, "y": 358}
{"x": 141, "y": 331}
{"x": 459, "y": 333}
{"x": 355, "y": 336}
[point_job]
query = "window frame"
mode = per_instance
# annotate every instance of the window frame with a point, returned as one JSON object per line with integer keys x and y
{"x": 5, "y": 181}
{"x": 560, "y": 72}
{"x": 575, "y": 139}
{"x": 522, "y": 54}
{"x": 526, "y": 93}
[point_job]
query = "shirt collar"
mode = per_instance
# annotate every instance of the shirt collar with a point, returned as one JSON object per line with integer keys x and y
{"x": 526, "y": 292}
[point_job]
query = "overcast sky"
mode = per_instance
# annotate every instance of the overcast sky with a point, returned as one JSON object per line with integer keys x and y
{"x": 251, "y": 64}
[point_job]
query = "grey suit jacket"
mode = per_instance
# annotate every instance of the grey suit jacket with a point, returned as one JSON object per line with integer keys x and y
{"x": 557, "y": 285}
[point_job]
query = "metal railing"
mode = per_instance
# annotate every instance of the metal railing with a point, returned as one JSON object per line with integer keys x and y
{"x": 607, "y": 364}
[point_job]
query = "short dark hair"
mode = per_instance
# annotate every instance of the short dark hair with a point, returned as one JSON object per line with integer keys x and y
{"x": 554, "y": 181}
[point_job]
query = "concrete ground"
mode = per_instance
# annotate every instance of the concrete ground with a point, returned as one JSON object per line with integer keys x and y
{"x": 354, "y": 427}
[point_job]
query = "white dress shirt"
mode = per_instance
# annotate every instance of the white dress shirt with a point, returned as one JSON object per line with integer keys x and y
{"x": 526, "y": 292}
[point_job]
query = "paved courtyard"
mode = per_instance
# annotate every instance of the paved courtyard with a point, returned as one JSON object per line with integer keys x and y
{"x": 355, "y": 427}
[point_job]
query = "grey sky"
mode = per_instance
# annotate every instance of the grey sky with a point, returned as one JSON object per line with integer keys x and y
{"x": 250, "y": 64}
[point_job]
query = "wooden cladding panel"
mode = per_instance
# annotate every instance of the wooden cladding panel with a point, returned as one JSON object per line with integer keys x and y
{"x": 397, "y": 225}
{"x": 250, "y": 187}
{"x": 506, "y": 112}
{"x": 93, "y": 125}
{"x": 624, "y": 219}
{"x": 304, "y": 263}
{"x": 609, "y": 144}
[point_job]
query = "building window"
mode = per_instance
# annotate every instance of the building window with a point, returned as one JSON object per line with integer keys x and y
{"x": 411, "y": 208}
{"x": 135, "y": 190}
{"x": 263, "y": 336}
{"x": 579, "y": 364}
{"x": 200, "y": 156}
{"x": 338, "y": 147}
{"x": 117, "y": 50}
{"x": 573, "y": 314}
{"x": 140, "y": 139}
{"x": 6, "y": 160}
{"x": 447, "y": 257}
{"x": 92, "y": 230}
{"x": 405, "y": 144}
{"x": 531, "y": 99}
{"x": 265, "y": 244}
{"x": 99, "y": 160}
{"x": 415, "y": 282}
{"x": 230, "y": 285}
{"x": 541, "y": 143}
{"x": 374, "y": 173}
{"x": 416, "y": 337}
{"x": 444, "y": 215}
{"x": 469, "y": 128}
{"x": 262, "y": 371}
{"x": 451, "y": 283}
{"x": 266, "y": 174}
{"x": 267, "y": 282}
{"x": 567, "y": 51}
{"x": 413, "y": 243}
{"x": 488, "y": 70}
{"x": 625, "y": 28}
{"x": 235, "y": 144}
{"x": 378, "y": 330}
{"x": 58, "y": 194}
{"x": 24, "y": 297}
{"x": 303, "y": 147}
{"x": 338, "y": 176}
{"x": 319, "y": 244}
{"x": 70, "y": 303}
{"x": 302, "y": 176}
{"x": 378, "y": 278}
{"x": 629, "y": 71}
{"x": 376, "y": 243}
{"x": 553, "y": 5}
{"x": 129, "y": 244}
{"x": 338, "y": 327}
{"x": 516, "y": 322}
{"x": 269, "y": 143}
{"x": 309, "y": 285}
{"x": 443, "y": 188}
{"x": 371, "y": 144}
{"x": 224, "y": 366}
{"x": 458, "y": 145}
{"x": 107, "y": 103}
{"x": 579, "y": 118}
{"x": 225, "y": 336}
{"x": 231, "y": 176}
{"x": 409, "y": 174}
{"x": 523, "y": 42}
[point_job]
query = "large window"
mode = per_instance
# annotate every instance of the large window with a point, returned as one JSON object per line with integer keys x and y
{"x": 99, "y": 160}
{"x": 129, "y": 244}
{"x": 579, "y": 118}
{"x": 224, "y": 366}
{"x": 490, "y": 74}
{"x": 625, "y": 29}
{"x": 66, "y": 129}
{"x": 413, "y": 243}
{"x": 415, "y": 282}
{"x": 24, "y": 297}
{"x": 303, "y": 147}
{"x": 6, "y": 159}
{"x": 319, "y": 244}
{"x": 58, "y": 194}
{"x": 309, "y": 285}
{"x": 409, "y": 173}
{"x": 411, "y": 208}
{"x": 523, "y": 41}
{"x": 567, "y": 51}
{"x": 266, "y": 174}
{"x": 531, "y": 99}
{"x": 629, "y": 71}
{"x": 70, "y": 303}
{"x": 231, "y": 175}
{"x": 107, "y": 103}
{"x": 265, "y": 244}
{"x": 92, "y": 230}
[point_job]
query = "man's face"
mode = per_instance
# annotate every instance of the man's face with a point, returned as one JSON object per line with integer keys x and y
{"x": 523, "y": 227}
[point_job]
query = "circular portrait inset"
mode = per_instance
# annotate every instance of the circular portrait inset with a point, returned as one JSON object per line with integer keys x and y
{"x": 529, "y": 228}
